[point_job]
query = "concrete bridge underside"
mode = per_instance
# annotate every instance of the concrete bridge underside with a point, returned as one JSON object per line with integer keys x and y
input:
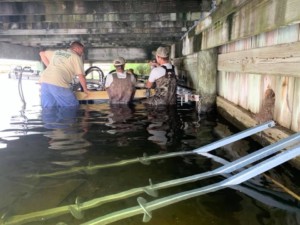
{"x": 107, "y": 28}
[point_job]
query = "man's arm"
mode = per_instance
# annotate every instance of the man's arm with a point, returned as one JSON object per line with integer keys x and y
{"x": 82, "y": 81}
{"x": 133, "y": 79}
{"x": 148, "y": 84}
{"x": 46, "y": 57}
{"x": 108, "y": 81}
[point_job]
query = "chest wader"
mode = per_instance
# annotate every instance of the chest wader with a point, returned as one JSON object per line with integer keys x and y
{"x": 165, "y": 91}
{"x": 121, "y": 91}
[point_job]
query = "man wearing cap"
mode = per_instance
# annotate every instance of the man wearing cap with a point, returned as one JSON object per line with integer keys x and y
{"x": 61, "y": 67}
{"x": 165, "y": 79}
{"x": 120, "y": 85}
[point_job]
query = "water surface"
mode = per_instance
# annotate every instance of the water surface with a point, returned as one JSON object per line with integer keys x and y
{"x": 37, "y": 145}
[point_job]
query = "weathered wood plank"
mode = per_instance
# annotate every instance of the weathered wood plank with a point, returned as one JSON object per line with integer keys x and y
{"x": 241, "y": 22}
{"x": 267, "y": 12}
{"x": 254, "y": 96}
{"x": 216, "y": 35}
{"x": 281, "y": 59}
{"x": 296, "y": 107}
{"x": 243, "y": 91}
{"x": 224, "y": 85}
{"x": 279, "y": 36}
{"x": 284, "y": 95}
{"x": 234, "y": 88}
{"x": 221, "y": 83}
{"x": 268, "y": 82}
{"x": 243, "y": 119}
{"x": 288, "y": 34}
{"x": 102, "y": 95}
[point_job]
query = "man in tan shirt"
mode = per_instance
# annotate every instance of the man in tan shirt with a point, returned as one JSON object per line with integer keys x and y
{"x": 61, "y": 67}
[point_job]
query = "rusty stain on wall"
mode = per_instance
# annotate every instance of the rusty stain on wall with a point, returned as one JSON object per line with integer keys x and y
{"x": 267, "y": 109}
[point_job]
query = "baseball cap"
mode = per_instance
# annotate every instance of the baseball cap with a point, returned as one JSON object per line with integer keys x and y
{"x": 119, "y": 61}
{"x": 76, "y": 43}
{"x": 163, "y": 52}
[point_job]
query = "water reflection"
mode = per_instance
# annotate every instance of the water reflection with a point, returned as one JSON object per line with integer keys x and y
{"x": 120, "y": 113}
{"x": 119, "y": 116}
{"x": 62, "y": 138}
{"x": 68, "y": 125}
{"x": 59, "y": 117}
{"x": 165, "y": 125}
{"x": 118, "y": 122}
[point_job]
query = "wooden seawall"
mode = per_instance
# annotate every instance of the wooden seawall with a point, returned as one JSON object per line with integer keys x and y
{"x": 244, "y": 58}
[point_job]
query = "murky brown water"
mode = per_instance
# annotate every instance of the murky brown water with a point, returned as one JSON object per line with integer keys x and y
{"x": 36, "y": 145}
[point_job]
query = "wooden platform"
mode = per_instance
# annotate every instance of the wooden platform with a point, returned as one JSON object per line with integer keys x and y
{"x": 103, "y": 95}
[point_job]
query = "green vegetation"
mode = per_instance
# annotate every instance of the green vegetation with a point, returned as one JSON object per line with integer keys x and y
{"x": 139, "y": 68}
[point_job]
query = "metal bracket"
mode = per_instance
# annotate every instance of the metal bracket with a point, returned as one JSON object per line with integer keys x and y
{"x": 150, "y": 191}
{"x": 147, "y": 214}
{"x": 144, "y": 159}
{"x": 75, "y": 209}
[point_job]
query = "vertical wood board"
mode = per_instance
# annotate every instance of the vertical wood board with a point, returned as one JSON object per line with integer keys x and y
{"x": 296, "y": 107}
{"x": 272, "y": 37}
{"x": 253, "y": 18}
{"x": 268, "y": 81}
{"x": 254, "y": 94}
{"x": 234, "y": 88}
{"x": 284, "y": 95}
{"x": 282, "y": 35}
{"x": 243, "y": 90}
{"x": 226, "y": 86}
{"x": 215, "y": 36}
{"x": 288, "y": 34}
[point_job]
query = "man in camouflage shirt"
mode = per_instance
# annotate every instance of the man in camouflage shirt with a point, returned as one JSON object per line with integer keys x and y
{"x": 165, "y": 79}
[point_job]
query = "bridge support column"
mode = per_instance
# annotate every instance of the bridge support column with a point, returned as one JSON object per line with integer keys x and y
{"x": 206, "y": 79}
{"x": 199, "y": 72}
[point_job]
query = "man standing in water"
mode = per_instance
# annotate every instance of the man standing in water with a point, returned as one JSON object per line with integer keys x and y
{"x": 120, "y": 85}
{"x": 165, "y": 79}
{"x": 61, "y": 67}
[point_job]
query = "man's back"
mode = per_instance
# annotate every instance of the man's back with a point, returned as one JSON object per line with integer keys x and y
{"x": 121, "y": 90}
{"x": 166, "y": 85}
{"x": 63, "y": 66}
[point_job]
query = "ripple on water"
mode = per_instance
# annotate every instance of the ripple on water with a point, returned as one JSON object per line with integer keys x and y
{"x": 79, "y": 140}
